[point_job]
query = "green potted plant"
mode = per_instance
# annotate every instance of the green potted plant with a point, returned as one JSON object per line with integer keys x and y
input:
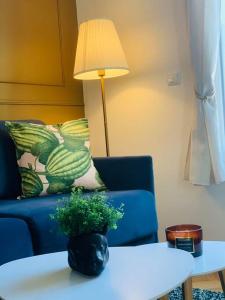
{"x": 85, "y": 219}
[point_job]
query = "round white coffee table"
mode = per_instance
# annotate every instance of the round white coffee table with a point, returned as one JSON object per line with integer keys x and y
{"x": 132, "y": 273}
{"x": 212, "y": 260}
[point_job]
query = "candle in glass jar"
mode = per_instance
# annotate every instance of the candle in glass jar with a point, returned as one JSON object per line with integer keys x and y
{"x": 186, "y": 237}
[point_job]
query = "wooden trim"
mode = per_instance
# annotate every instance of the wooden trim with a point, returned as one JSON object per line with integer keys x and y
{"x": 32, "y": 83}
{"x": 60, "y": 43}
{"x": 36, "y": 102}
{"x": 61, "y": 59}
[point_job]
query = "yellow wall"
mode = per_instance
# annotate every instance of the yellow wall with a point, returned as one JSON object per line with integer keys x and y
{"x": 145, "y": 115}
{"x": 38, "y": 40}
{"x": 50, "y": 114}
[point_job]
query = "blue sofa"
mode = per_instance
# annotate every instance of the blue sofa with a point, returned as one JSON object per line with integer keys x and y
{"x": 25, "y": 226}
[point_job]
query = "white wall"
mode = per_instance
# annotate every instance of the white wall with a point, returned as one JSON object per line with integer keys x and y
{"x": 145, "y": 115}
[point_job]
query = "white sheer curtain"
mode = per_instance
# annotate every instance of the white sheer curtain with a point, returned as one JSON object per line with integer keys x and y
{"x": 207, "y": 143}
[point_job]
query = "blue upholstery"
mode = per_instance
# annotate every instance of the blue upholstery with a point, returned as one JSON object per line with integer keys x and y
{"x": 128, "y": 173}
{"x": 15, "y": 240}
{"x": 139, "y": 221}
{"x": 35, "y": 212}
{"x": 47, "y": 237}
{"x": 9, "y": 173}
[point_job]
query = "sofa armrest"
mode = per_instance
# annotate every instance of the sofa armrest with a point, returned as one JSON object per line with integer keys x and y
{"x": 15, "y": 240}
{"x": 126, "y": 173}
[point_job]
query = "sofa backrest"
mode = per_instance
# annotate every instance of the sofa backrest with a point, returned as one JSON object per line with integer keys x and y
{"x": 10, "y": 181}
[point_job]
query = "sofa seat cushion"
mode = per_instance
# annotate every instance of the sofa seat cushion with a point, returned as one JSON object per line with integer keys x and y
{"x": 35, "y": 212}
{"x": 45, "y": 232}
{"x": 15, "y": 240}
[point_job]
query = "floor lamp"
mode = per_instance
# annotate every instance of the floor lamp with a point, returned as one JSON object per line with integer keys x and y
{"x": 99, "y": 55}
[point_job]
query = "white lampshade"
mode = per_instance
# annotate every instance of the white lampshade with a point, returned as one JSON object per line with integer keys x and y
{"x": 99, "y": 50}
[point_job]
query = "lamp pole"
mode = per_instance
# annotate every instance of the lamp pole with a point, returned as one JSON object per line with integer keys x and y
{"x": 101, "y": 74}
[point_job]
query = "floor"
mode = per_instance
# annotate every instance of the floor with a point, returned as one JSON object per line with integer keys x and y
{"x": 209, "y": 282}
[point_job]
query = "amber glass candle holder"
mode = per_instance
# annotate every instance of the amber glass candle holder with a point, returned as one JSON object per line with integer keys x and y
{"x": 186, "y": 237}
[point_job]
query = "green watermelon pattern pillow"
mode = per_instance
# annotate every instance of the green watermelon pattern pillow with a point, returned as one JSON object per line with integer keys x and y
{"x": 53, "y": 159}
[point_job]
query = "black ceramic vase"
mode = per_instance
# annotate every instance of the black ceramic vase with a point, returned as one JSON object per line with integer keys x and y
{"x": 88, "y": 254}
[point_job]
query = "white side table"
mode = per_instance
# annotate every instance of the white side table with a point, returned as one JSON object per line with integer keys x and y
{"x": 212, "y": 260}
{"x": 132, "y": 273}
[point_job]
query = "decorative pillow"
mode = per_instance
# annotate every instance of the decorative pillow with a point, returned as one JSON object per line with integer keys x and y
{"x": 54, "y": 158}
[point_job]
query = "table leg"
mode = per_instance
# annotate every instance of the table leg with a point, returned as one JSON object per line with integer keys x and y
{"x": 222, "y": 277}
{"x": 164, "y": 298}
{"x": 187, "y": 289}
